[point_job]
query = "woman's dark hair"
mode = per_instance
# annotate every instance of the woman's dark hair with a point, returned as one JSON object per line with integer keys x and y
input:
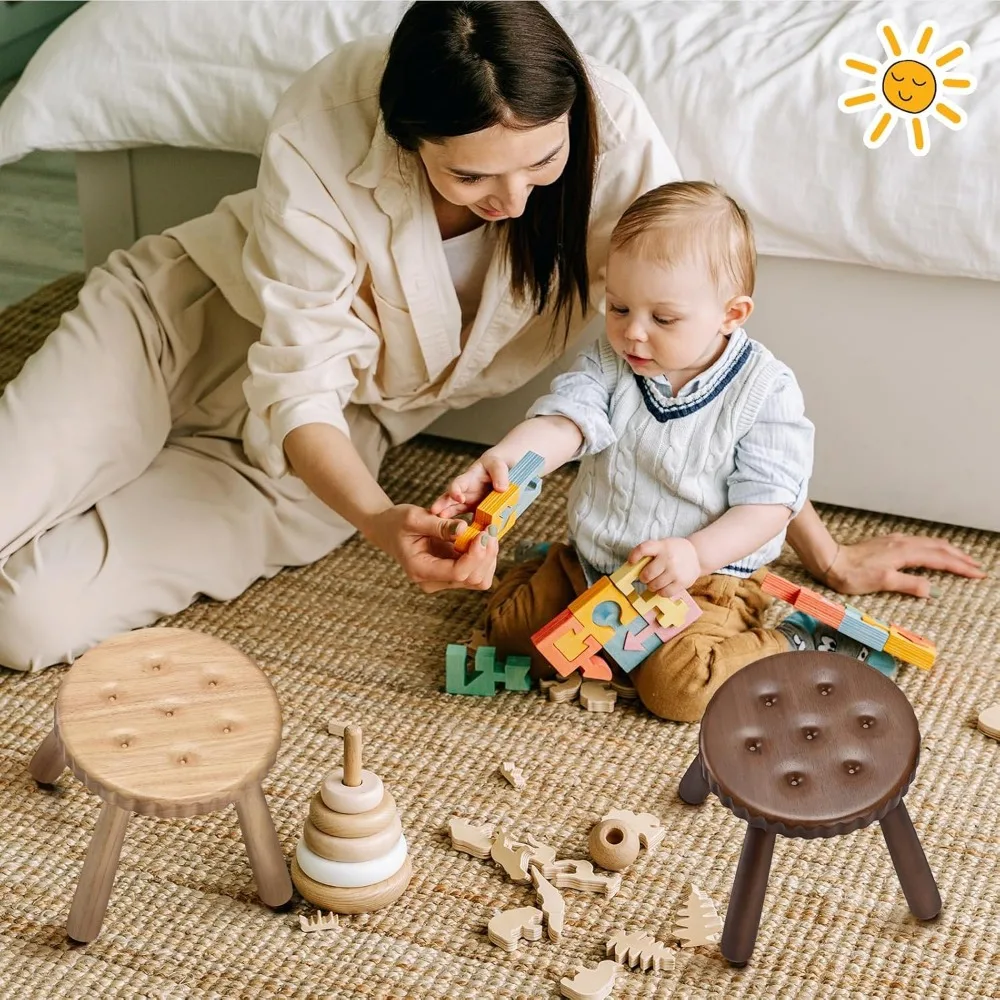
{"x": 457, "y": 68}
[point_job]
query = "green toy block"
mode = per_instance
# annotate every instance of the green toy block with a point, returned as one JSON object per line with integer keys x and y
{"x": 480, "y": 681}
{"x": 516, "y": 673}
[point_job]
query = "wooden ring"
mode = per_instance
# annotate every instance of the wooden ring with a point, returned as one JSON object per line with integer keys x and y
{"x": 613, "y": 844}
{"x": 352, "y": 848}
{"x": 351, "y": 874}
{"x": 351, "y": 799}
{"x": 348, "y": 825}
{"x": 364, "y": 900}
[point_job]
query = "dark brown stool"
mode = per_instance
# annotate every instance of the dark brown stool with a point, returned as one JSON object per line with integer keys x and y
{"x": 809, "y": 745}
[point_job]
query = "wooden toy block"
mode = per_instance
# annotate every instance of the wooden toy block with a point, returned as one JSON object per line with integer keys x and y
{"x": 647, "y": 826}
{"x": 670, "y": 611}
{"x": 467, "y": 537}
{"x": 565, "y": 690}
{"x": 580, "y": 875}
{"x": 597, "y": 696}
{"x": 525, "y": 468}
{"x": 632, "y": 643}
{"x": 319, "y": 921}
{"x": 640, "y": 948}
{"x": 336, "y": 727}
{"x": 590, "y": 984}
{"x": 538, "y": 853}
{"x": 507, "y": 927}
{"x": 516, "y": 673}
{"x": 470, "y": 839}
{"x": 529, "y": 494}
{"x": 613, "y": 844}
{"x": 778, "y": 586}
{"x": 854, "y": 625}
{"x": 989, "y": 721}
{"x": 514, "y": 860}
{"x": 480, "y": 681}
{"x": 588, "y": 663}
{"x": 552, "y": 903}
{"x": 824, "y": 610}
{"x": 513, "y": 774}
{"x": 698, "y": 922}
{"x": 488, "y": 512}
{"x": 623, "y": 688}
{"x": 602, "y": 609}
{"x": 910, "y": 648}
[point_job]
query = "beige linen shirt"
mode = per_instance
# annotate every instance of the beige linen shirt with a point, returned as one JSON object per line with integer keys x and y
{"x": 344, "y": 269}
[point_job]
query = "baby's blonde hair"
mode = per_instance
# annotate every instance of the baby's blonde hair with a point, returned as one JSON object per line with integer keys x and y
{"x": 676, "y": 222}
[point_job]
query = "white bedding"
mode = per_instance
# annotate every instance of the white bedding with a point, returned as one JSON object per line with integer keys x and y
{"x": 745, "y": 94}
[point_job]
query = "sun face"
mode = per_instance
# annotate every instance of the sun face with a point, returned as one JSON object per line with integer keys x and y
{"x": 911, "y": 85}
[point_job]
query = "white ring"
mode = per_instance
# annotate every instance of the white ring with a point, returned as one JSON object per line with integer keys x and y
{"x": 351, "y": 799}
{"x": 351, "y": 874}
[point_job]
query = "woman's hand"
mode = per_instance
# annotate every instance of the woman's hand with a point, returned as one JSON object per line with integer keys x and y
{"x": 674, "y": 566}
{"x": 467, "y": 491}
{"x": 876, "y": 564}
{"x": 423, "y": 544}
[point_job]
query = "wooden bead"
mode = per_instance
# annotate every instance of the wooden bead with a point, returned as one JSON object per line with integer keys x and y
{"x": 352, "y": 825}
{"x": 613, "y": 845}
{"x": 351, "y": 874}
{"x": 351, "y": 799}
{"x": 363, "y": 900}
{"x": 352, "y": 848}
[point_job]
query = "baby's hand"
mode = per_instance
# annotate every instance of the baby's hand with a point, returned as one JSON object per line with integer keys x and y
{"x": 674, "y": 566}
{"x": 468, "y": 490}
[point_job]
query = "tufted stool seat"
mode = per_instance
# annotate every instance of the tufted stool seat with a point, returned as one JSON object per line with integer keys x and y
{"x": 809, "y": 745}
{"x": 165, "y": 722}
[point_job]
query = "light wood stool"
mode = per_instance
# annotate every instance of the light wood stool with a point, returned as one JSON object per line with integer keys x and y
{"x": 165, "y": 722}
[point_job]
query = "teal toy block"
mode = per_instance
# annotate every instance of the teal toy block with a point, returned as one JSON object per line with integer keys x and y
{"x": 528, "y": 495}
{"x": 632, "y": 643}
{"x": 526, "y": 468}
{"x": 482, "y": 680}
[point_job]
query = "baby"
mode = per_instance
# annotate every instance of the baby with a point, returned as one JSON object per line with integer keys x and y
{"x": 694, "y": 449}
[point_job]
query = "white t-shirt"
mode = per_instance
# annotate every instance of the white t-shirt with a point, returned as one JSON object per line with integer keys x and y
{"x": 469, "y": 257}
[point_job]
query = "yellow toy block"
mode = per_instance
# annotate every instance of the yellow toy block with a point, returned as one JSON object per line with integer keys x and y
{"x": 583, "y": 609}
{"x": 467, "y": 537}
{"x": 625, "y": 576}
{"x": 670, "y": 611}
{"x": 491, "y": 508}
{"x": 910, "y": 648}
{"x": 507, "y": 522}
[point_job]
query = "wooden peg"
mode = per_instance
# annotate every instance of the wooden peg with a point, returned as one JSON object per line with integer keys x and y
{"x": 352, "y": 756}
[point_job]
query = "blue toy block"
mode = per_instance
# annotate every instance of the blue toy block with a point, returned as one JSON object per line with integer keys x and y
{"x": 629, "y": 659}
{"x": 529, "y": 493}
{"x": 868, "y": 635}
{"x": 526, "y": 468}
{"x": 482, "y": 680}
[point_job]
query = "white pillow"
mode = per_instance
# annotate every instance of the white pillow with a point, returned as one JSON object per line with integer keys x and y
{"x": 744, "y": 93}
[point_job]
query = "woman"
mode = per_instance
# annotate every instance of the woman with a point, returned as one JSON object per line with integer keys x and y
{"x": 428, "y": 228}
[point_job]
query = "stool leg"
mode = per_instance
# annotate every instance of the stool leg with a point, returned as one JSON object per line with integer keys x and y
{"x": 911, "y": 866}
{"x": 261, "y": 840}
{"x": 693, "y": 788}
{"x": 48, "y": 762}
{"x": 90, "y": 901}
{"x": 747, "y": 900}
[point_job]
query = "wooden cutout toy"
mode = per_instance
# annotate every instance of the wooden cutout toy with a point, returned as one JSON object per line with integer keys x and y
{"x": 513, "y": 774}
{"x": 597, "y": 696}
{"x": 483, "y": 680}
{"x": 646, "y": 826}
{"x": 580, "y": 875}
{"x": 470, "y": 839}
{"x": 640, "y": 948}
{"x": 514, "y": 860}
{"x": 588, "y": 662}
{"x": 319, "y": 921}
{"x": 869, "y": 631}
{"x": 576, "y": 639}
{"x": 591, "y": 984}
{"x": 989, "y": 721}
{"x": 565, "y": 690}
{"x": 507, "y": 927}
{"x": 552, "y": 903}
{"x": 613, "y": 844}
{"x": 538, "y": 853}
{"x": 623, "y": 687}
{"x": 526, "y": 468}
{"x": 698, "y": 922}
{"x": 335, "y": 727}
{"x": 344, "y": 806}
{"x": 602, "y": 627}
{"x": 670, "y": 611}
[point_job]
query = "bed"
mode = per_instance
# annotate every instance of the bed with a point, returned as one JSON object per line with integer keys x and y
{"x": 879, "y": 279}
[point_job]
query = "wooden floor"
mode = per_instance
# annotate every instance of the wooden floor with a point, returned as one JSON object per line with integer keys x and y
{"x": 40, "y": 233}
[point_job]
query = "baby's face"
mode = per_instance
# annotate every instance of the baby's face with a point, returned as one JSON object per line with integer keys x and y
{"x": 664, "y": 320}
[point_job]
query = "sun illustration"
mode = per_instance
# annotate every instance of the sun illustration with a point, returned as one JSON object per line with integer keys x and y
{"x": 912, "y": 84}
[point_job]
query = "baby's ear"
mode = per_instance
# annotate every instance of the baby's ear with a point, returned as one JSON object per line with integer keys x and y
{"x": 738, "y": 311}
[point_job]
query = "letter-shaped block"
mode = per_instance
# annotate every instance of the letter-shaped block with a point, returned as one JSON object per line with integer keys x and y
{"x": 487, "y": 674}
{"x": 910, "y": 647}
{"x": 604, "y": 624}
{"x": 632, "y": 643}
{"x": 545, "y": 641}
{"x": 488, "y": 512}
{"x": 526, "y": 468}
{"x": 870, "y": 633}
{"x": 778, "y": 586}
{"x": 829, "y": 612}
{"x": 670, "y": 611}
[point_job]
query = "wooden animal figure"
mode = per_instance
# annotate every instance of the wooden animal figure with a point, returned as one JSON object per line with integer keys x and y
{"x": 646, "y": 826}
{"x": 580, "y": 875}
{"x": 698, "y": 922}
{"x": 513, "y": 859}
{"x": 319, "y": 921}
{"x": 552, "y": 903}
{"x": 474, "y": 840}
{"x": 640, "y": 949}
{"x": 513, "y": 774}
{"x": 597, "y": 696}
{"x": 591, "y": 984}
{"x": 565, "y": 690}
{"x": 507, "y": 927}
{"x": 539, "y": 853}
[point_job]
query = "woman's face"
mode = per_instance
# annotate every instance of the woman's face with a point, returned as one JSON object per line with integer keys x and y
{"x": 492, "y": 172}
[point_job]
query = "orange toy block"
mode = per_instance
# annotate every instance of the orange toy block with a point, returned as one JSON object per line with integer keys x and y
{"x": 778, "y": 586}
{"x": 467, "y": 537}
{"x": 910, "y": 647}
{"x": 602, "y": 591}
{"x": 546, "y": 641}
{"x": 490, "y": 509}
{"x": 826, "y": 611}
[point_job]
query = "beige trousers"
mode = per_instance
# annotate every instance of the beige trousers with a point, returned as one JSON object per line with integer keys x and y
{"x": 124, "y": 489}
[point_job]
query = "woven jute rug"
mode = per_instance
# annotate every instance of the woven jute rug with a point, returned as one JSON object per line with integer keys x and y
{"x": 347, "y": 638}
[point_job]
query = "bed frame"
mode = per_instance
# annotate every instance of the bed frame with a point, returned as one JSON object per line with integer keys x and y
{"x": 899, "y": 371}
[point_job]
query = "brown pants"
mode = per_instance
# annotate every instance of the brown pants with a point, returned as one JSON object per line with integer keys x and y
{"x": 676, "y": 681}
